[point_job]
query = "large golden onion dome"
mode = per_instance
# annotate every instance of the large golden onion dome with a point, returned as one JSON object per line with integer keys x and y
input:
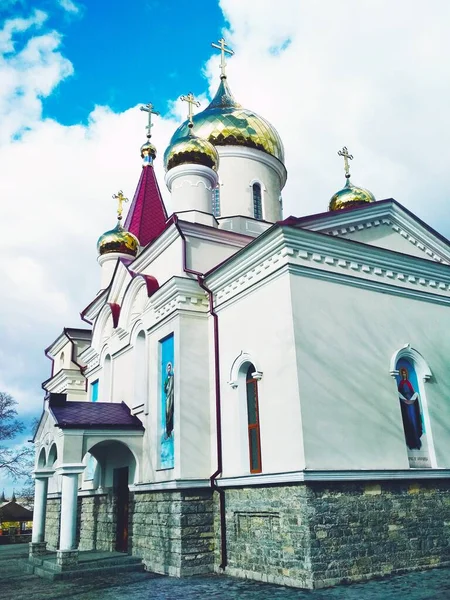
{"x": 191, "y": 149}
{"x": 350, "y": 196}
{"x": 118, "y": 240}
{"x": 225, "y": 123}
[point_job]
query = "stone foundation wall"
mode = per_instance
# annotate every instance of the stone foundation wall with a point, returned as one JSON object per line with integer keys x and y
{"x": 173, "y": 531}
{"x": 52, "y": 523}
{"x": 317, "y": 535}
{"x": 362, "y": 530}
{"x": 268, "y": 534}
{"x": 97, "y": 522}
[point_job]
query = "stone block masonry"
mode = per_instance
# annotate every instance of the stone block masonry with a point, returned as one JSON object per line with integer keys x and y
{"x": 52, "y": 523}
{"x": 173, "y": 531}
{"x": 318, "y": 535}
{"x": 97, "y": 522}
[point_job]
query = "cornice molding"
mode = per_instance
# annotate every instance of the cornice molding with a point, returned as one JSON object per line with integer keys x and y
{"x": 66, "y": 380}
{"x": 174, "y": 484}
{"x": 214, "y": 234}
{"x": 389, "y": 214}
{"x": 332, "y": 258}
{"x": 332, "y": 476}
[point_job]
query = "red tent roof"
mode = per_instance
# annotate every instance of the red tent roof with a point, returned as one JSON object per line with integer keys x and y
{"x": 147, "y": 216}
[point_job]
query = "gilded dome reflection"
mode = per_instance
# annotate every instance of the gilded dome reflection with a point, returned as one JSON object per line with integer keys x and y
{"x": 350, "y": 196}
{"x": 226, "y": 123}
{"x": 118, "y": 240}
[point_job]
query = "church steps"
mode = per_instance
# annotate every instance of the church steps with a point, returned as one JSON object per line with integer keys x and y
{"x": 114, "y": 563}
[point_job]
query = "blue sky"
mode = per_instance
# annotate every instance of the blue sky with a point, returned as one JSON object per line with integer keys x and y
{"x": 72, "y": 75}
{"x": 127, "y": 52}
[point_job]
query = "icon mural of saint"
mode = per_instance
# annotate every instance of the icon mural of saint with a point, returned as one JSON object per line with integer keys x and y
{"x": 411, "y": 415}
{"x": 169, "y": 392}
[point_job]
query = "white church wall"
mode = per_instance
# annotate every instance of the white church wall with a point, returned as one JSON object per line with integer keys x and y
{"x": 240, "y": 167}
{"x": 345, "y": 338}
{"x": 194, "y": 397}
{"x": 203, "y": 254}
{"x": 165, "y": 265}
{"x": 260, "y": 324}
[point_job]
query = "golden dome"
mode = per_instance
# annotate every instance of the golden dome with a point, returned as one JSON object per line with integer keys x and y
{"x": 118, "y": 240}
{"x": 148, "y": 149}
{"x": 225, "y": 123}
{"x": 191, "y": 149}
{"x": 350, "y": 196}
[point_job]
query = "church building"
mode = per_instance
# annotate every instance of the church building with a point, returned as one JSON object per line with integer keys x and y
{"x": 254, "y": 394}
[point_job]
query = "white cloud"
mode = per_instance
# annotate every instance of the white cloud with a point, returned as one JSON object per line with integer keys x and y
{"x": 372, "y": 76}
{"x": 69, "y": 6}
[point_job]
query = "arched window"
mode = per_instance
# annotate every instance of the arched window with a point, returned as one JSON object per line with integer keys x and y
{"x": 106, "y": 379}
{"x": 257, "y": 201}
{"x": 216, "y": 202}
{"x": 61, "y": 361}
{"x": 254, "y": 440}
{"x": 140, "y": 381}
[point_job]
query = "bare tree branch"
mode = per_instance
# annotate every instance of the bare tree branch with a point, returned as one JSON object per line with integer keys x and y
{"x": 14, "y": 462}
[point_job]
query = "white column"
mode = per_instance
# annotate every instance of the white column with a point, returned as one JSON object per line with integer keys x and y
{"x": 40, "y": 506}
{"x": 69, "y": 494}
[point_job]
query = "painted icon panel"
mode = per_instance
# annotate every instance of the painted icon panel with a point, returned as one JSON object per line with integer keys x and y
{"x": 167, "y": 392}
{"x": 412, "y": 414}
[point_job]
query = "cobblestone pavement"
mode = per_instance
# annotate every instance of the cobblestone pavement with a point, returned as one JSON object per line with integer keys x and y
{"x": 15, "y": 585}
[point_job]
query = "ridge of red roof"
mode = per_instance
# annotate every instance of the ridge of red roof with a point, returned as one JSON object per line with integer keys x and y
{"x": 147, "y": 216}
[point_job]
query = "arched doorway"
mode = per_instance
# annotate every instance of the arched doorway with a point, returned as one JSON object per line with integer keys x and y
{"x": 116, "y": 467}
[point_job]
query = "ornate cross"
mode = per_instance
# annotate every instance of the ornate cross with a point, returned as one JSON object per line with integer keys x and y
{"x": 120, "y": 200}
{"x": 347, "y": 157}
{"x": 222, "y": 46}
{"x": 192, "y": 102}
{"x": 148, "y": 108}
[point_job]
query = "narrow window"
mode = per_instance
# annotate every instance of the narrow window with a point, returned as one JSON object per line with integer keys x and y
{"x": 254, "y": 442}
{"x": 106, "y": 380}
{"x": 94, "y": 391}
{"x": 257, "y": 203}
{"x": 140, "y": 391}
{"x": 216, "y": 202}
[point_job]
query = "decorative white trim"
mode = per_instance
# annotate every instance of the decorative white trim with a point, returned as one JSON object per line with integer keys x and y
{"x": 192, "y": 170}
{"x": 242, "y": 359}
{"x": 390, "y": 214}
{"x": 42, "y": 473}
{"x": 414, "y": 355}
{"x": 178, "y": 484}
{"x": 66, "y": 380}
{"x": 70, "y": 469}
{"x": 336, "y": 259}
{"x": 316, "y": 475}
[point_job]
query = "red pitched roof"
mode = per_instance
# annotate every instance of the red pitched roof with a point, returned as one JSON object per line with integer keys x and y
{"x": 147, "y": 216}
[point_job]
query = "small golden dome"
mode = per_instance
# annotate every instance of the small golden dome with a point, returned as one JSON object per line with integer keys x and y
{"x": 148, "y": 150}
{"x": 350, "y": 196}
{"x": 190, "y": 149}
{"x": 226, "y": 123}
{"x": 118, "y": 240}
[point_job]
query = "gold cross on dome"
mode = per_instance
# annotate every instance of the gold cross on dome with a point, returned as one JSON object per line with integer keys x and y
{"x": 148, "y": 108}
{"x": 192, "y": 102}
{"x": 222, "y": 46}
{"x": 120, "y": 200}
{"x": 347, "y": 157}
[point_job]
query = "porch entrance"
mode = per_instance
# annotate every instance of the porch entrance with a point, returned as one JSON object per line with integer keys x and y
{"x": 121, "y": 492}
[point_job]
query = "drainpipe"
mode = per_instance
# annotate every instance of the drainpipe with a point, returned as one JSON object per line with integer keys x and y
{"x": 218, "y": 471}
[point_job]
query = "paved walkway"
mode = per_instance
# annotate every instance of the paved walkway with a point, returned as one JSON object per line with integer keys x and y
{"x": 15, "y": 585}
